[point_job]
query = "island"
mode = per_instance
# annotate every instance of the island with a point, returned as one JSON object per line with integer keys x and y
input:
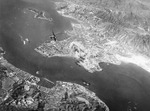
{"x": 20, "y": 90}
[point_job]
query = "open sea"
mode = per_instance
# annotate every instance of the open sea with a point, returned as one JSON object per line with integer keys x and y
{"x": 123, "y": 88}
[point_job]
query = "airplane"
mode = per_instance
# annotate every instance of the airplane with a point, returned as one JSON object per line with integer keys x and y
{"x": 53, "y": 36}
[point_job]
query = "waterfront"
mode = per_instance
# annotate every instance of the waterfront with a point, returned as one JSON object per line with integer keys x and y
{"x": 121, "y": 87}
{"x": 115, "y": 85}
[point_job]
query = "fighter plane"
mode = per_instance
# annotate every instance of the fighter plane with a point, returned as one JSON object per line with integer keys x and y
{"x": 53, "y": 36}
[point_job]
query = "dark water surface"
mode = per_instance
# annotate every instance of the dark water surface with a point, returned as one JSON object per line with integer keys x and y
{"x": 122, "y": 88}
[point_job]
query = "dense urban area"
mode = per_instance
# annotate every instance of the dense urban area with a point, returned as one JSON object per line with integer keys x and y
{"x": 103, "y": 31}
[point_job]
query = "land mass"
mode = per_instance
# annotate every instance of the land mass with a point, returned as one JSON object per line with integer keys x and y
{"x": 20, "y": 90}
{"x": 103, "y": 33}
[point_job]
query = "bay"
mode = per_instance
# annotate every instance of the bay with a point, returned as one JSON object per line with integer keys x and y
{"x": 122, "y": 88}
